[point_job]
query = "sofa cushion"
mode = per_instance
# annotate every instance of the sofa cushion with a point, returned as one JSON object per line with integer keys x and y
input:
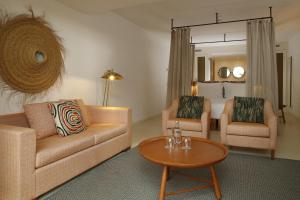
{"x": 248, "y": 129}
{"x": 67, "y": 116}
{"x": 248, "y": 109}
{"x": 105, "y": 131}
{"x": 55, "y": 147}
{"x": 85, "y": 114}
{"x": 185, "y": 124}
{"x": 40, "y": 119}
{"x": 190, "y": 107}
{"x": 84, "y": 111}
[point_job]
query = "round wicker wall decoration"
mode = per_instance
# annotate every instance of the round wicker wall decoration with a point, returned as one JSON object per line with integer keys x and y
{"x": 31, "y": 54}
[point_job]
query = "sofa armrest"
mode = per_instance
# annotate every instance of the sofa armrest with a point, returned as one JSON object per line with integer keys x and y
{"x": 167, "y": 114}
{"x": 223, "y": 127}
{"x": 205, "y": 121}
{"x": 271, "y": 122}
{"x": 17, "y": 166}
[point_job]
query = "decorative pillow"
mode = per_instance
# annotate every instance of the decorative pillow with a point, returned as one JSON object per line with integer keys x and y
{"x": 40, "y": 119}
{"x": 248, "y": 109}
{"x": 67, "y": 116}
{"x": 84, "y": 111}
{"x": 190, "y": 107}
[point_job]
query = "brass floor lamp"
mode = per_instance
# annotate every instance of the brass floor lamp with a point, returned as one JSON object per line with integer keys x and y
{"x": 109, "y": 76}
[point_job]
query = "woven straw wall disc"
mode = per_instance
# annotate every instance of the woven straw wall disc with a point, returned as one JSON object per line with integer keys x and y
{"x": 30, "y": 54}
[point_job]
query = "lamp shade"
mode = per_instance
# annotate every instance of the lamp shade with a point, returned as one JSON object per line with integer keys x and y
{"x": 111, "y": 75}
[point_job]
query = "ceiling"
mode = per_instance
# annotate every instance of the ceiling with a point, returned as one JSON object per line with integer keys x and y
{"x": 100, "y": 6}
{"x": 156, "y": 14}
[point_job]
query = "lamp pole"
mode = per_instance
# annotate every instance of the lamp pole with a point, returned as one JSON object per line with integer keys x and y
{"x": 109, "y": 76}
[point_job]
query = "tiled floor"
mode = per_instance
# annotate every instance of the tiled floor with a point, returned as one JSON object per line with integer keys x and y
{"x": 288, "y": 145}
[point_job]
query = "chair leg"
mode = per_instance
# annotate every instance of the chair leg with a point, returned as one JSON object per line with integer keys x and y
{"x": 272, "y": 154}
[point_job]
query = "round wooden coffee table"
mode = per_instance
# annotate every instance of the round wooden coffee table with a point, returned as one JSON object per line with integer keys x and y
{"x": 204, "y": 153}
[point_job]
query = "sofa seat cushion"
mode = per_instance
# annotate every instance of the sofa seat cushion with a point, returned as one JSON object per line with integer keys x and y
{"x": 248, "y": 129}
{"x": 185, "y": 124}
{"x": 105, "y": 131}
{"x": 55, "y": 147}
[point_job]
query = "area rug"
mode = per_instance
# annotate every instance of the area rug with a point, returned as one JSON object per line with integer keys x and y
{"x": 129, "y": 176}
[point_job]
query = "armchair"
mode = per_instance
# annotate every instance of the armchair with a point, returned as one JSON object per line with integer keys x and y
{"x": 253, "y": 135}
{"x": 189, "y": 127}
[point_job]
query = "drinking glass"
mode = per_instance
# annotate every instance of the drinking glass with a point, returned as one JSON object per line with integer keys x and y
{"x": 170, "y": 142}
{"x": 187, "y": 144}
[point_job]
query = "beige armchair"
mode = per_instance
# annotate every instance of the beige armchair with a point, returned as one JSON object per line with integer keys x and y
{"x": 189, "y": 127}
{"x": 253, "y": 135}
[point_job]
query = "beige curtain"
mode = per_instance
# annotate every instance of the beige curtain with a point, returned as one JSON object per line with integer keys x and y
{"x": 262, "y": 68}
{"x": 180, "y": 73}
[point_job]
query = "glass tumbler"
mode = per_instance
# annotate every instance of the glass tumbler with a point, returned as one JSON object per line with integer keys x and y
{"x": 170, "y": 142}
{"x": 187, "y": 143}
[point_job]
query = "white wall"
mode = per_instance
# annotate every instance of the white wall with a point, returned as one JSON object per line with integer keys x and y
{"x": 94, "y": 44}
{"x": 294, "y": 51}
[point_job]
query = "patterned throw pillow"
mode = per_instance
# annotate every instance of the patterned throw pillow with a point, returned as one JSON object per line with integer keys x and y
{"x": 67, "y": 116}
{"x": 248, "y": 109}
{"x": 190, "y": 107}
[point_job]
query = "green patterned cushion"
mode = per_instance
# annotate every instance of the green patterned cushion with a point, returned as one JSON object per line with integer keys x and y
{"x": 248, "y": 109}
{"x": 190, "y": 107}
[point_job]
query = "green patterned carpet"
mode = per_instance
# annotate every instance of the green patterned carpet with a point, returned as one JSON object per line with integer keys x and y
{"x": 129, "y": 176}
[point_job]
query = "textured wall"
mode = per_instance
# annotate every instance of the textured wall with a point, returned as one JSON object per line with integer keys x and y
{"x": 93, "y": 45}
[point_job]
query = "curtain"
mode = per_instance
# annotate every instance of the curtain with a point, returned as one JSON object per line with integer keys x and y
{"x": 262, "y": 68}
{"x": 181, "y": 64}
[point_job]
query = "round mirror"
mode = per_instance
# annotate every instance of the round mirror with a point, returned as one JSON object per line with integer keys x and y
{"x": 39, "y": 57}
{"x": 224, "y": 72}
{"x": 238, "y": 72}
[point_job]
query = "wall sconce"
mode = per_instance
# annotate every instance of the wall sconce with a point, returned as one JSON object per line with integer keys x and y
{"x": 194, "y": 88}
{"x": 109, "y": 76}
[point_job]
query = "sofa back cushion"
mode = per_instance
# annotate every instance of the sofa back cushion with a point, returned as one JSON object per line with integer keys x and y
{"x": 190, "y": 107}
{"x": 40, "y": 119}
{"x": 248, "y": 109}
{"x": 84, "y": 111}
{"x": 67, "y": 116}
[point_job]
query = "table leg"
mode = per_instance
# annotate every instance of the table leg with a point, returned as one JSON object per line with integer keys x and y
{"x": 168, "y": 173}
{"x": 163, "y": 183}
{"x": 215, "y": 182}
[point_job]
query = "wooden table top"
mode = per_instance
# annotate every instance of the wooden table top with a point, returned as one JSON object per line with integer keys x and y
{"x": 203, "y": 153}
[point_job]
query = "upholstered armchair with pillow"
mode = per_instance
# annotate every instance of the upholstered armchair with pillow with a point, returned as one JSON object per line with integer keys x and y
{"x": 198, "y": 127}
{"x": 260, "y": 135}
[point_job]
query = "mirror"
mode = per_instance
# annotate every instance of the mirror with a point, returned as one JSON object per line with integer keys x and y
{"x": 39, "y": 57}
{"x": 238, "y": 72}
{"x": 223, "y": 68}
{"x": 224, "y": 72}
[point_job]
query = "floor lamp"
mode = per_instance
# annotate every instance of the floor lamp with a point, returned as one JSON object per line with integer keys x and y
{"x": 109, "y": 76}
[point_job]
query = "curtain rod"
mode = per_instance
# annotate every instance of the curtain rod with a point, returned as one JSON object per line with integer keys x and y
{"x": 224, "y": 22}
{"x": 218, "y": 41}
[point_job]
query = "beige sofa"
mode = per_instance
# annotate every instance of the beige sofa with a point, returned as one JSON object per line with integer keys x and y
{"x": 189, "y": 127}
{"x": 31, "y": 167}
{"x": 254, "y": 135}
